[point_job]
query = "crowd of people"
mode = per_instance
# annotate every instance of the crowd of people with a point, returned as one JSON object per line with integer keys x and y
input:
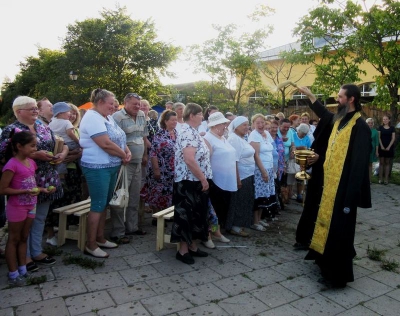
{"x": 223, "y": 173}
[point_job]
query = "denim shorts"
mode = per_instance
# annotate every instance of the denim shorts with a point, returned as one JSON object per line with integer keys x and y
{"x": 101, "y": 183}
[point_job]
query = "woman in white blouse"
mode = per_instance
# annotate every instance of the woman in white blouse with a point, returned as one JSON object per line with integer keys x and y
{"x": 223, "y": 165}
{"x": 241, "y": 207}
{"x": 265, "y": 199}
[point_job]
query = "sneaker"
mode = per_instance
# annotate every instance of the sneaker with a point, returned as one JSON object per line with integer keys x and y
{"x": 47, "y": 261}
{"x": 18, "y": 281}
{"x": 31, "y": 267}
{"x": 52, "y": 241}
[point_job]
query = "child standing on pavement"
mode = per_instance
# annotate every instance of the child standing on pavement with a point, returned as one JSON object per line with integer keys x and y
{"x": 19, "y": 184}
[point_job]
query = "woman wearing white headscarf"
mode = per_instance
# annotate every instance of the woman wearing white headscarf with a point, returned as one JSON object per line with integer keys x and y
{"x": 241, "y": 207}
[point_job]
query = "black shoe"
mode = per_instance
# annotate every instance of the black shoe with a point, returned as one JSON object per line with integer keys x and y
{"x": 31, "y": 267}
{"x": 121, "y": 240}
{"x": 300, "y": 246}
{"x": 198, "y": 253}
{"x": 186, "y": 258}
{"x": 47, "y": 261}
{"x": 138, "y": 232}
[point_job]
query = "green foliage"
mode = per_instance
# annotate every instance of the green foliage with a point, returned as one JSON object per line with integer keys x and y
{"x": 375, "y": 254}
{"x": 36, "y": 280}
{"x": 345, "y": 37}
{"x": 231, "y": 57}
{"x": 84, "y": 262}
{"x": 390, "y": 265}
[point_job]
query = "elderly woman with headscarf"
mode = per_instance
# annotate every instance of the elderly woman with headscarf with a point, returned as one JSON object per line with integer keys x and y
{"x": 241, "y": 207}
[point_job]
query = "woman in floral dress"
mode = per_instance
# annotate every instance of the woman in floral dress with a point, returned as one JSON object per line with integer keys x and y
{"x": 160, "y": 177}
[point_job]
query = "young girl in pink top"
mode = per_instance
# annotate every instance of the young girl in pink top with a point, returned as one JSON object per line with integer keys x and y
{"x": 19, "y": 184}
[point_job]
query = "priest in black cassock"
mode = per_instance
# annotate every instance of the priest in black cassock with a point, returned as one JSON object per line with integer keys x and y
{"x": 346, "y": 186}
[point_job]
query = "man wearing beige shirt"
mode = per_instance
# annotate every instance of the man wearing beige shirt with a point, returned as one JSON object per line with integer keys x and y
{"x": 133, "y": 122}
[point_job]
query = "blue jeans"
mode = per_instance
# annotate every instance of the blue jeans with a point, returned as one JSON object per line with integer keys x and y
{"x": 34, "y": 247}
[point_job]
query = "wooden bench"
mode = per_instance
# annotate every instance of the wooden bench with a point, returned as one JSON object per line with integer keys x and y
{"x": 80, "y": 209}
{"x": 162, "y": 237}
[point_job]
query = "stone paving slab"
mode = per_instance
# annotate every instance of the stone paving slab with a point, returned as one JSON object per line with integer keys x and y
{"x": 139, "y": 274}
{"x": 130, "y": 293}
{"x": 168, "y": 284}
{"x": 236, "y": 284}
{"x": 62, "y": 288}
{"x": 317, "y": 304}
{"x": 206, "y": 309}
{"x": 103, "y": 281}
{"x": 128, "y": 309}
{"x": 85, "y": 303}
{"x": 384, "y": 305}
{"x": 50, "y": 307}
{"x": 17, "y": 296}
{"x": 243, "y": 304}
{"x": 166, "y": 304}
{"x": 201, "y": 276}
{"x": 203, "y": 294}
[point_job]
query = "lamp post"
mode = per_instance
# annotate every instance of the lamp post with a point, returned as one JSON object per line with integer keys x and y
{"x": 74, "y": 77}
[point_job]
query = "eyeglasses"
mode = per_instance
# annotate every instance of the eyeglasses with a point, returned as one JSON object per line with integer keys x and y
{"x": 31, "y": 109}
{"x": 133, "y": 95}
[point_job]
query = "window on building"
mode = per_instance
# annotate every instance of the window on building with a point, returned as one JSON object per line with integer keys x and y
{"x": 257, "y": 97}
{"x": 368, "y": 89}
{"x": 299, "y": 95}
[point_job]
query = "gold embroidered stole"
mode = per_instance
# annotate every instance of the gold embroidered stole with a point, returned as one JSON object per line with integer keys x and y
{"x": 333, "y": 166}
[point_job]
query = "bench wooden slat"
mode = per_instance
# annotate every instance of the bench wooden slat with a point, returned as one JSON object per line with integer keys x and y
{"x": 67, "y": 207}
{"x": 77, "y": 209}
{"x": 164, "y": 212}
{"x": 82, "y": 212}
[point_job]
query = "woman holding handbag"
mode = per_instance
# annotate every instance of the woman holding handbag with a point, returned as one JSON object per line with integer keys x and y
{"x": 104, "y": 149}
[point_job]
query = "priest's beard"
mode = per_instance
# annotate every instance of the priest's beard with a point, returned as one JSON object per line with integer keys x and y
{"x": 342, "y": 110}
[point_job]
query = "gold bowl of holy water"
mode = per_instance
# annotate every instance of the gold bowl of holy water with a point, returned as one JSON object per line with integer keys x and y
{"x": 301, "y": 159}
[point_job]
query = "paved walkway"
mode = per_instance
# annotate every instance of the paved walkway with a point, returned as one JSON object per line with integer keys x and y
{"x": 262, "y": 276}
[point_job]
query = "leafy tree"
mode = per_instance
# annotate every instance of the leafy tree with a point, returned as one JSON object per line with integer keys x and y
{"x": 345, "y": 37}
{"x": 118, "y": 53}
{"x": 230, "y": 59}
{"x": 282, "y": 70}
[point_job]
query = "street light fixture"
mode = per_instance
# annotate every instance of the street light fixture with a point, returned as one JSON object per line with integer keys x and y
{"x": 73, "y": 75}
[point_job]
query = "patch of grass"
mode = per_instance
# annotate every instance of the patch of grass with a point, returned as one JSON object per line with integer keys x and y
{"x": 262, "y": 254}
{"x": 259, "y": 286}
{"x": 398, "y": 243}
{"x": 36, "y": 280}
{"x": 259, "y": 242}
{"x": 394, "y": 179}
{"x": 216, "y": 301}
{"x": 52, "y": 251}
{"x": 290, "y": 277}
{"x": 86, "y": 263}
{"x": 375, "y": 254}
{"x": 389, "y": 265}
{"x": 245, "y": 276}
